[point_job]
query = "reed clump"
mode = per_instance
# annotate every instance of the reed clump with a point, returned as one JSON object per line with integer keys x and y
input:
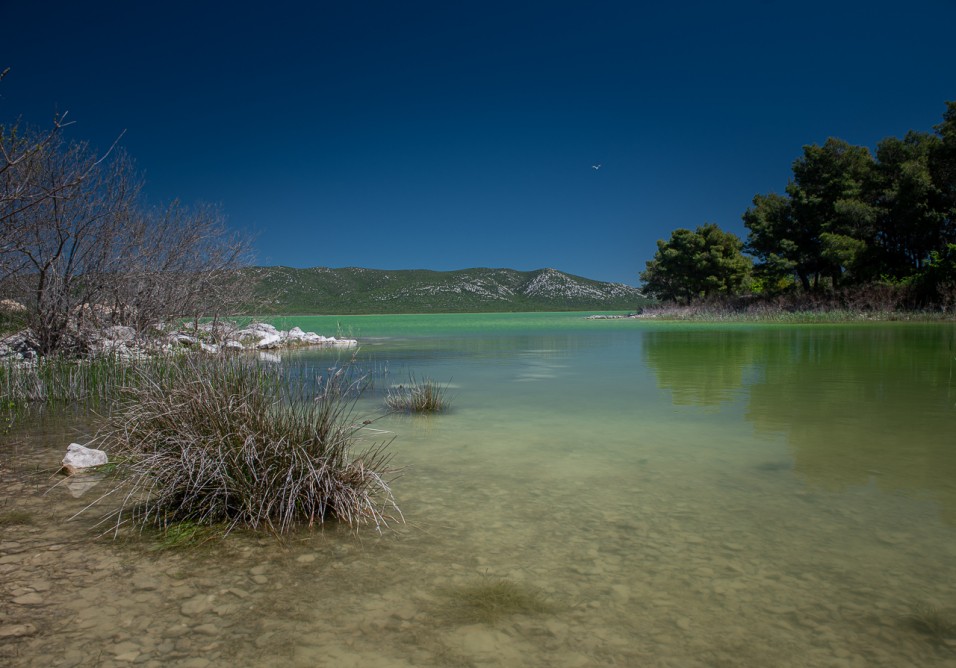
{"x": 417, "y": 396}
{"x": 60, "y": 380}
{"x": 231, "y": 441}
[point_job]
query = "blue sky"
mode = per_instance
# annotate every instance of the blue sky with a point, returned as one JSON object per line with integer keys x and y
{"x": 446, "y": 135}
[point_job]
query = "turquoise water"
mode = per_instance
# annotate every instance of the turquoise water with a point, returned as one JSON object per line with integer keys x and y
{"x": 680, "y": 495}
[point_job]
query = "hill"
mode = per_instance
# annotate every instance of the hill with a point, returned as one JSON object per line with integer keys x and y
{"x": 354, "y": 290}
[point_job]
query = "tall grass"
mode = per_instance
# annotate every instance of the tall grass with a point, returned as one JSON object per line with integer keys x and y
{"x": 215, "y": 440}
{"x": 52, "y": 380}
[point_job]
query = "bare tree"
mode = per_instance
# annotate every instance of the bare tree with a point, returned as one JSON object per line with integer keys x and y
{"x": 24, "y": 184}
{"x": 181, "y": 262}
{"x": 79, "y": 250}
{"x": 66, "y": 244}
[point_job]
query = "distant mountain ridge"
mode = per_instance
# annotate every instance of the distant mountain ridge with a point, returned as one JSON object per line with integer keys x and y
{"x": 355, "y": 290}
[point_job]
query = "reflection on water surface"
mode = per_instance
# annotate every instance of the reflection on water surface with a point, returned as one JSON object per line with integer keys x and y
{"x": 672, "y": 495}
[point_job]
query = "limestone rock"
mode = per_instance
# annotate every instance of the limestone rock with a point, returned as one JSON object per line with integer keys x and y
{"x": 81, "y": 457}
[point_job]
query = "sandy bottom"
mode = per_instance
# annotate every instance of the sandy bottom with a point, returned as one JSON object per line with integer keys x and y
{"x": 654, "y": 534}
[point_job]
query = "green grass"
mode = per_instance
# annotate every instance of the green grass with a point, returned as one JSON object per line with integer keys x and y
{"x": 58, "y": 380}
{"x": 187, "y": 534}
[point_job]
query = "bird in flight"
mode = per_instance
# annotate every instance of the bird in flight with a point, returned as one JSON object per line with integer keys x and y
{"x": 596, "y": 167}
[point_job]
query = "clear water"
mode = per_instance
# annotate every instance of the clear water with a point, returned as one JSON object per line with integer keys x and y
{"x": 677, "y": 494}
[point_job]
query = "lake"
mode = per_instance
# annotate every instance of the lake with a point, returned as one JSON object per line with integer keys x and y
{"x": 654, "y": 494}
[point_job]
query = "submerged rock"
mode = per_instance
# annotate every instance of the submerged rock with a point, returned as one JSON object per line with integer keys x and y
{"x": 80, "y": 457}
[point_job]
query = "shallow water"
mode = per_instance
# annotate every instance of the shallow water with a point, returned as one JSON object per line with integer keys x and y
{"x": 678, "y": 495}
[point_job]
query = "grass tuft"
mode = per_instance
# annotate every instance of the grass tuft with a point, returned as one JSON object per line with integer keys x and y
{"x": 212, "y": 440}
{"x": 425, "y": 396}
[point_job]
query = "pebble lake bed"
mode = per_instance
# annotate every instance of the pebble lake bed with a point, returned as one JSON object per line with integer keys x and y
{"x": 601, "y": 493}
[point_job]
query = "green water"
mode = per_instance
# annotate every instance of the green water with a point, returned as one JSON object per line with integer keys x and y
{"x": 679, "y": 494}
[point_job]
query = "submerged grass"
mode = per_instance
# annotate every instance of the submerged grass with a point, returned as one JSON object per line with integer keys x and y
{"x": 492, "y": 599}
{"x": 15, "y": 518}
{"x": 228, "y": 440}
{"x": 932, "y": 621}
{"x": 187, "y": 534}
{"x": 424, "y": 396}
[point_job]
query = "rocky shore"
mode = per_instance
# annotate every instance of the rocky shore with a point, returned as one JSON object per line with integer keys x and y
{"x": 208, "y": 337}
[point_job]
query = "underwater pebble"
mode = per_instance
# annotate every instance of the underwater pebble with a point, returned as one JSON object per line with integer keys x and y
{"x": 176, "y": 631}
{"x": 29, "y": 599}
{"x": 620, "y": 593}
{"x": 196, "y": 605}
{"x": 206, "y": 629}
{"x": 195, "y": 662}
{"x": 144, "y": 583}
{"x": 262, "y": 640}
{"x": 17, "y": 630}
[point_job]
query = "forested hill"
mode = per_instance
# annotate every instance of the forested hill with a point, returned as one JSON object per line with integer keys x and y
{"x": 353, "y": 290}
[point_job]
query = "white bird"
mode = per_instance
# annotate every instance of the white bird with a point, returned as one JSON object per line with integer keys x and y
{"x": 597, "y": 166}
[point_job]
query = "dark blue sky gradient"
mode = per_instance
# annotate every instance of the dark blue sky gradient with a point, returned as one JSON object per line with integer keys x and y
{"x": 445, "y": 135}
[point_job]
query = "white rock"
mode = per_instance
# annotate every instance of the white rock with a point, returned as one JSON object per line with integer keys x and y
{"x": 81, "y": 457}
{"x": 233, "y": 345}
{"x": 270, "y": 341}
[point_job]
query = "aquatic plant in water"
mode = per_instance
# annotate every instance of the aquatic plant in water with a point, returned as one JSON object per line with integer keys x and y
{"x": 212, "y": 440}
{"x": 932, "y": 621}
{"x": 424, "y": 396}
{"x": 187, "y": 534}
{"x": 15, "y": 517}
{"x": 491, "y": 599}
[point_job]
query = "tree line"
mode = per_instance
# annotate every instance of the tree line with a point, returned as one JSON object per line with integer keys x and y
{"x": 848, "y": 218}
{"x": 80, "y": 249}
